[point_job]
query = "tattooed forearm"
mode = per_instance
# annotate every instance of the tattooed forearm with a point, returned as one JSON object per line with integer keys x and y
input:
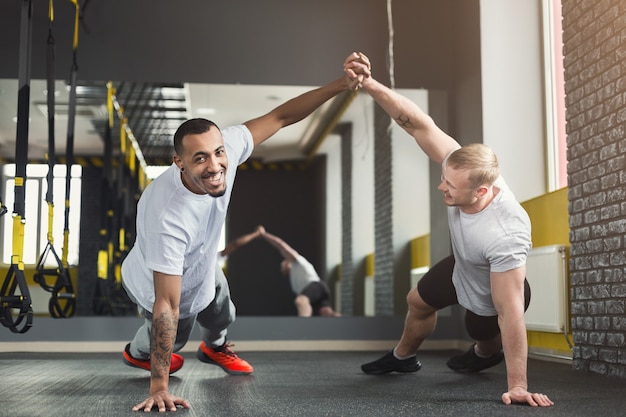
{"x": 162, "y": 339}
{"x": 404, "y": 121}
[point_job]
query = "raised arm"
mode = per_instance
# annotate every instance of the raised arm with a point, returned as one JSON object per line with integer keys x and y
{"x": 286, "y": 251}
{"x": 241, "y": 241}
{"x": 433, "y": 141}
{"x": 295, "y": 109}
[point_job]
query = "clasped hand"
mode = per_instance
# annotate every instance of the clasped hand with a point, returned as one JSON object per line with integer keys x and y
{"x": 356, "y": 67}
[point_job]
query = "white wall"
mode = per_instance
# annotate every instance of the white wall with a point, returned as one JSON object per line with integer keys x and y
{"x": 411, "y": 205}
{"x": 411, "y": 185}
{"x": 332, "y": 148}
{"x": 512, "y": 92}
{"x": 361, "y": 114}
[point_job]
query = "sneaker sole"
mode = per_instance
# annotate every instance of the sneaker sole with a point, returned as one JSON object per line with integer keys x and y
{"x": 132, "y": 365}
{"x": 462, "y": 370}
{"x": 204, "y": 358}
{"x": 417, "y": 367}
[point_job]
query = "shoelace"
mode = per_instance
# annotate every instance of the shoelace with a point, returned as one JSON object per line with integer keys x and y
{"x": 225, "y": 349}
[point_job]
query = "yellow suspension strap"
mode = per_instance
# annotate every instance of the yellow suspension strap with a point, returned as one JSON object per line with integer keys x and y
{"x": 102, "y": 304}
{"x": 55, "y": 280}
{"x": 111, "y": 298}
{"x": 69, "y": 152}
{"x": 122, "y": 198}
{"x": 16, "y": 310}
{"x": 69, "y": 149}
{"x": 123, "y": 190}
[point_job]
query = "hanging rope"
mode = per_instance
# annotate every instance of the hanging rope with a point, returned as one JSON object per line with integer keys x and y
{"x": 55, "y": 280}
{"x": 392, "y": 80}
{"x": 16, "y": 310}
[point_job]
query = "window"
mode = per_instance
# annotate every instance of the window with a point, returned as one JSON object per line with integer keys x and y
{"x": 36, "y": 212}
{"x": 555, "y": 94}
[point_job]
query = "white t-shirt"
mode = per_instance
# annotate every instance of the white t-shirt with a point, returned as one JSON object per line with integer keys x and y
{"x": 495, "y": 239}
{"x": 302, "y": 273}
{"x": 178, "y": 232}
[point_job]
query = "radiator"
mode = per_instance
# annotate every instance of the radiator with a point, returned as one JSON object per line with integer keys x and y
{"x": 338, "y": 295}
{"x": 546, "y": 271}
{"x": 369, "y": 304}
{"x": 417, "y": 274}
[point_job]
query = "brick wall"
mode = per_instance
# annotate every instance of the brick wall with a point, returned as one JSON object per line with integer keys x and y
{"x": 383, "y": 215}
{"x": 594, "y": 36}
{"x": 347, "y": 265}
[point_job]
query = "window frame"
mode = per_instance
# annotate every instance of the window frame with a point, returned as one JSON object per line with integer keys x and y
{"x": 36, "y": 174}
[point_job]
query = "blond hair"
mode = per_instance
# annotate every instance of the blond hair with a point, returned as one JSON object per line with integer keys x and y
{"x": 479, "y": 160}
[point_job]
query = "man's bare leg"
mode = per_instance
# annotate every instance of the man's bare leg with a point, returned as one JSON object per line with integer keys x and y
{"x": 303, "y": 305}
{"x": 419, "y": 323}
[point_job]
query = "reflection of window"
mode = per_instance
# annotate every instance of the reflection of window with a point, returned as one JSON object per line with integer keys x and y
{"x": 36, "y": 212}
{"x": 555, "y": 94}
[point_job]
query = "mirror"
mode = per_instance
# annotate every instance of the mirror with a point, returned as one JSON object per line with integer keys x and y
{"x": 296, "y": 197}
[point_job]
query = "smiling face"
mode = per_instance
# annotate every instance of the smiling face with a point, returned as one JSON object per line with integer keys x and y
{"x": 456, "y": 188}
{"x": 203, "y": 162}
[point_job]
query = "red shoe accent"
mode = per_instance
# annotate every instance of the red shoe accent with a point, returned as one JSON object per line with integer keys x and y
{"x": 176, "y": 362}
{"x": 224, "y": 358}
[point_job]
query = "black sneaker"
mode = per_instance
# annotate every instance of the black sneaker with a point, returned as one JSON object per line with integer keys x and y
{"x": 390, "y": 363}
{"x": 470, "y": 362}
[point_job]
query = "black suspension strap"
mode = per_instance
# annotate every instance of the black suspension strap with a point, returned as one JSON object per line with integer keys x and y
{"x": 103, "y": 304}
{"x": 16, "y": 310}
{"x": 69, "y": 151}
{"x": 110, "y": 297}
{"x": 55, "y": 280}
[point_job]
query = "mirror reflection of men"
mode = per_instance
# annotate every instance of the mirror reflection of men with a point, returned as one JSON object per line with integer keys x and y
{"x": 312, "y": 294}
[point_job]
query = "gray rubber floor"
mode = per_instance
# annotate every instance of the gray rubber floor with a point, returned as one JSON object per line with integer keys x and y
{"x": 294, "y": 384}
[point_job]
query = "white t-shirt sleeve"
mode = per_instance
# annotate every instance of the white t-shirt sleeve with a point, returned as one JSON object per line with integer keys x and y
{"x": 238, "y": 142}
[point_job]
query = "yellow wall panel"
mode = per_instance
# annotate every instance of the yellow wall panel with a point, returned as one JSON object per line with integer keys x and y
{"x": 549, "y": 217}
{"x": 550, "y": 226}
{"x": 420, "y": 251}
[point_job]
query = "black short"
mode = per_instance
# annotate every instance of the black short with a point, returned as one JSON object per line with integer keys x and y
{"x": 437, "y": 290}
{"x": 318, "y": 294}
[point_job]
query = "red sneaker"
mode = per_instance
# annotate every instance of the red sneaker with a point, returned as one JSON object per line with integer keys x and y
{"x": 224, "y": 358}
{"x": 176, "y": 362}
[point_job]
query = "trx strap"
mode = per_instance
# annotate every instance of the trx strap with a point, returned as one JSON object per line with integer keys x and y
{"x": 55, "y": 280}
{"x": 102, "y": 304}
{"x": 15, "y": 306}
{"x": 110, "y": 297}
{"x": 69, "y": 152}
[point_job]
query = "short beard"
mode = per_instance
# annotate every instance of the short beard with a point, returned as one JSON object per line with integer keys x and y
{"x": 219, "y": 193}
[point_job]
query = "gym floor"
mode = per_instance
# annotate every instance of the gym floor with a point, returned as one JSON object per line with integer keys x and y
{"x": 294, "y": 383}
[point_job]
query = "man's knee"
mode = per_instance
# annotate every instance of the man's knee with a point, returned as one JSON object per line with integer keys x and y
{"x": 417, "y": 304}
{"x": 301, "y": 300}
